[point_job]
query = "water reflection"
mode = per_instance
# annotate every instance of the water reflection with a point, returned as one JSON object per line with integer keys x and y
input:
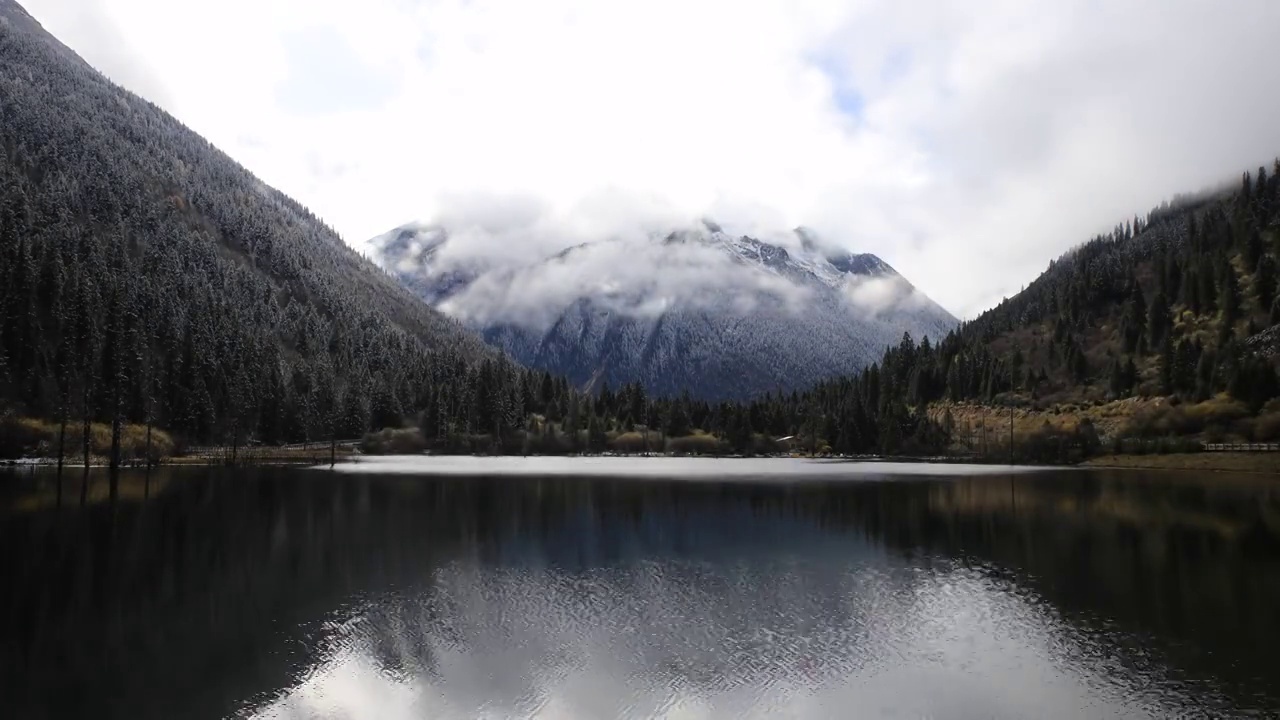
{"x": 294, "y": 593}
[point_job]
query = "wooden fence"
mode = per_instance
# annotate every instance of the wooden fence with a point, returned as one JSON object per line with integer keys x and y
{"x": 1242, "y": 447}
{"x": 314, "y": 445}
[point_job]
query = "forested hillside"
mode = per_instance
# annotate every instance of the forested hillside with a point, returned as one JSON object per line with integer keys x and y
{"x": 145, "y": 276}
{"x": 1166, "y": 329}
{"x": 1181, "y": 303}
{"x": 1170, "y": 324}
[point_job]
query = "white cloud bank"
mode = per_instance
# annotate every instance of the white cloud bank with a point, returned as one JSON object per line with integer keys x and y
{"x": 630, "y": 277}
{"x": 967, "y": 143}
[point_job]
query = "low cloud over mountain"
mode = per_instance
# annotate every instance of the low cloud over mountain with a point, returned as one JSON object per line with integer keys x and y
{"x": 704, "y": 308}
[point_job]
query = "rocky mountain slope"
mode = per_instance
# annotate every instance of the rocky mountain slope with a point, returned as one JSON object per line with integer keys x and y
{"x": 700, "y": 310}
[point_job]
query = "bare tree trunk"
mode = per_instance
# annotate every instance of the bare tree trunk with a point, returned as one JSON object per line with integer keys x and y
{"x": 339, "y": 403}
{"x": 84, "y": 483}
{"x": 113, "y": 475}
{"x": 62, "y": 442}
{"x": 148, "y": 440}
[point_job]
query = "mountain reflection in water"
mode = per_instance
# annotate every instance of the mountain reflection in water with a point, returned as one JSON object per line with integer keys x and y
{"x": 278, "y": 592}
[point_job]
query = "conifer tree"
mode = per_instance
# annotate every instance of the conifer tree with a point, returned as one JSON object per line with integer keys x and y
{"x": 1264, "y": 281}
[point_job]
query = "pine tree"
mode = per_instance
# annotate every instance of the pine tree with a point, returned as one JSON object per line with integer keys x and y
{"x": 1252, "y": 250}
{"x": 595, "y": 435}
{"x": 1187, "y": 357}
{"x": 1208, "y": 290}
{"x": 1173, "y": 279}
{"x": 1167, "y": 361}
{"x": 573, "y": 424}
{"x": 1229, "y": 296}
{"x": 1159, "y": 322}
{"x": 1116, "y": 381}
{"x": 1205, "y": 376}
{"x": 1264, "y": 281}
{"x": 1135, "y": 319}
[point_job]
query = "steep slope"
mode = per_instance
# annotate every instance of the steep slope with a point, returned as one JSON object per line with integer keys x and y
{"x": 147, "y": 275}
{"x": 1161, "y": 331}
{"x": 698, "y": 310}
{"x": 1178, "y": 302}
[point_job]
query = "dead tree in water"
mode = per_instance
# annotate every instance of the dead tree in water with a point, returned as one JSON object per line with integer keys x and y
{"x": 121, "y": 354}
{"x": 62, "y": 444}
{"x": 62, "y": 438}
{"x": 150, "y": 422}
{"x": 87, "y": 354}
{"x": 150, "y": 410}
{"x": 114, "y": 467}
{"x": 84, "y": 482}
{"x": 86, "y": 412}
{"x": 334, "y": 416}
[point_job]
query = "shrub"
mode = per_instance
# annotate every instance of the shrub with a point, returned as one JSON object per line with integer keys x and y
{"x": 1220, "y": 410}
{"x": 764, "y": 445}
{"x": 20, "y": 437}
{"x": 1214, "y": 434}
{"x": 1244, "y": 429}
{"x": 1267, "y": 427}
{"x": 634, "y": 442}
{"x": 393, "y": 441}
{"x": 1182, "y": 419}
{"x": 700, "y": 444}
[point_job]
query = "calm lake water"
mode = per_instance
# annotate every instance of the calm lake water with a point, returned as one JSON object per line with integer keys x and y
{"x": 468, "y": 588}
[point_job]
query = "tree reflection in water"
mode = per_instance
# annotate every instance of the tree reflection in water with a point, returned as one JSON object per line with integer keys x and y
{"x": 208, "y": 592}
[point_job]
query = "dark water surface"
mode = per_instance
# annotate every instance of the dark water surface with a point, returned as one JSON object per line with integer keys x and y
{"x": 803, "y": 591}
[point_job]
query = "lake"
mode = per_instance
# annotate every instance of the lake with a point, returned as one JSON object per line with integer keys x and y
{"x": 637, "y": 588}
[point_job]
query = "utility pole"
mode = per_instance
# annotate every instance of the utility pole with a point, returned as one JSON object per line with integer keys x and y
{"x": 1010, "y": 432}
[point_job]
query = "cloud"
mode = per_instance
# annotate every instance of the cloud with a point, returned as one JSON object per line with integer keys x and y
{"x": 325, "y": 75}
{"x": 967, "y": 143}
{"x": 882, "y": 296}
{"x": 635, "y": 276}
{"x": 88, "y": 27}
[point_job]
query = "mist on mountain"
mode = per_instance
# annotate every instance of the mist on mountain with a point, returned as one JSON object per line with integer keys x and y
{"x": 699, "y": 307}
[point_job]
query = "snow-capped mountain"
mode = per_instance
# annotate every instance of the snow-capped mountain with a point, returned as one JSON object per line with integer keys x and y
{"x": 718, "y": 314}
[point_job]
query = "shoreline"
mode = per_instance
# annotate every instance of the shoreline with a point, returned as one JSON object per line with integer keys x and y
{"x": 1225, "y": 462}
{"x": 1267, "y": 463}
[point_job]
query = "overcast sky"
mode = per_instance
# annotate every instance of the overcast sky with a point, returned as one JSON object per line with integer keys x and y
{"x": 966, "y": 142}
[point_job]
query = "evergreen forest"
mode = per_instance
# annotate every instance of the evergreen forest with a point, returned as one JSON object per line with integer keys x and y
{"x": 149, "y": 281}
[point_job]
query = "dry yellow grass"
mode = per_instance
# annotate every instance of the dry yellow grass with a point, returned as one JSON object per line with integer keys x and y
{"x": 636, "y": 442}
{"x": 29, "y": 437}
{"x": 969, "y": 420}
{"x": 1130, "y": 417}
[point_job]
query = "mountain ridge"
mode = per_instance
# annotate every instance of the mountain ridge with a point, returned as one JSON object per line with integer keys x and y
{"x": 696, "y": 309}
